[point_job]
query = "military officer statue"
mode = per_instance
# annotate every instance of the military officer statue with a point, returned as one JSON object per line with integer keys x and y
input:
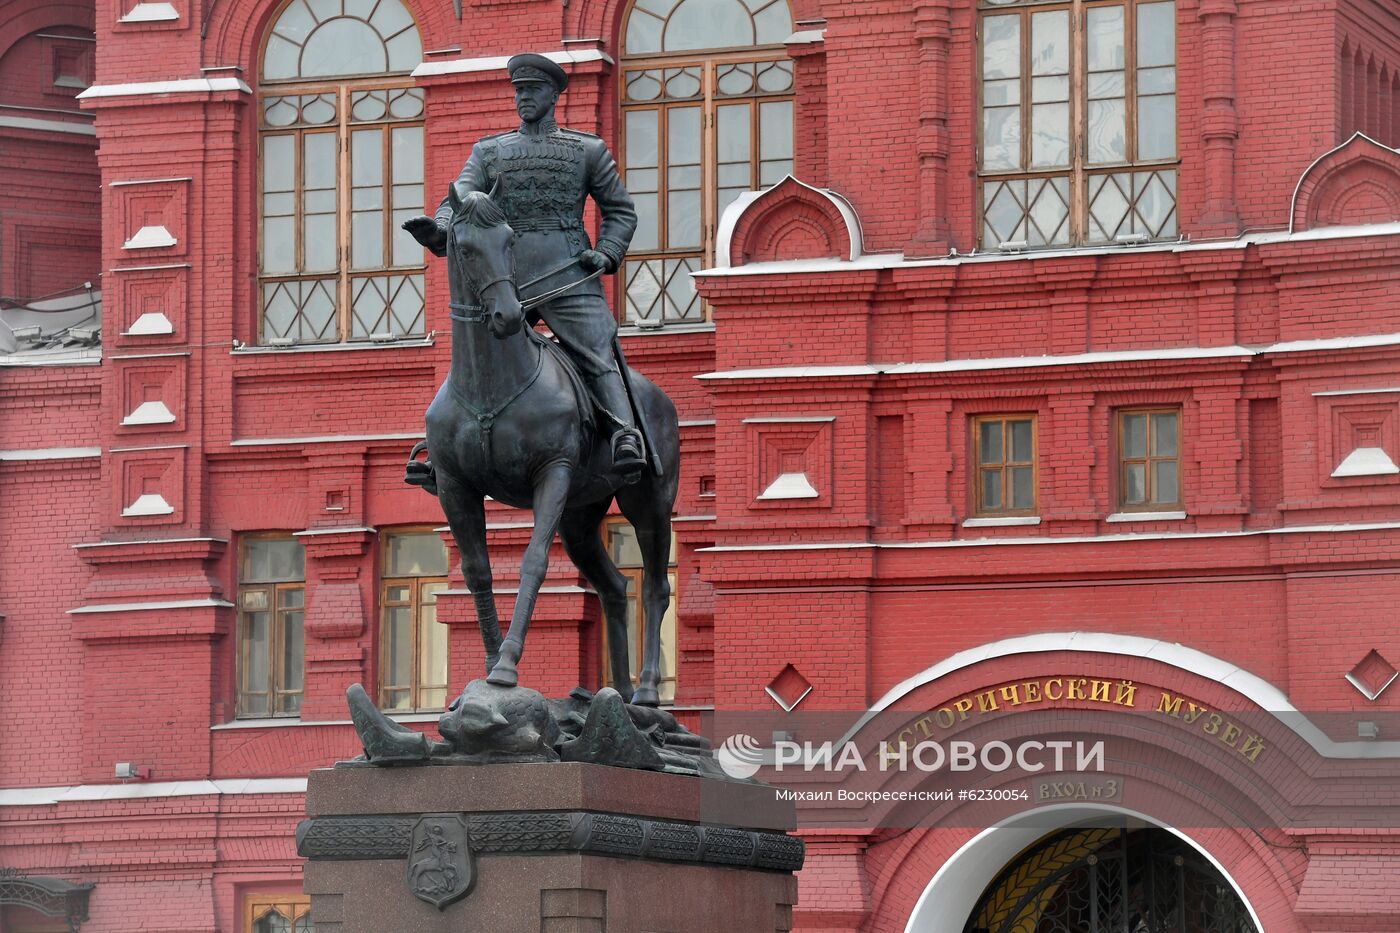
{"x": 540, "y": 175}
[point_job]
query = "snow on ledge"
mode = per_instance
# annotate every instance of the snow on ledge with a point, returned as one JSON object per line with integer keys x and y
{"x": 151, "y": 503}
{"x": 101, "y": 608}
{"x": 51, "y": 453}
{"x": 1366, "y": 461}
{"x": 790, "y": 486}
{"x": 150, "y": 324}
{"x": 150, "y": 237}
{"x": 44, "y": 796}
{"x": 150, "y": 13}
{"x": 1074, "y": 359}
{"x": 154, "y": 412}
{"x": 1002, "y": 521}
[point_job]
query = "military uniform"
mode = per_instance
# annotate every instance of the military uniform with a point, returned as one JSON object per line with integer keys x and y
{"x": 542, "y": 174}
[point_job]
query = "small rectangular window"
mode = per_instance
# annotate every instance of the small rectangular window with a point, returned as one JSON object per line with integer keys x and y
{"x": 412, "y": 645}
{"x": 271, "y": 614}
{"x": 1005, "y": 458}
{"x": 1149, "y": 459}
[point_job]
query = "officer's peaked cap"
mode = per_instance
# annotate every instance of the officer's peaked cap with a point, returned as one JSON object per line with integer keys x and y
{"x": 532, "y": 67}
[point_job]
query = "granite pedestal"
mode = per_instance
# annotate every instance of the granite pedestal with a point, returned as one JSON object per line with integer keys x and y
{"x": 549, "y": 848}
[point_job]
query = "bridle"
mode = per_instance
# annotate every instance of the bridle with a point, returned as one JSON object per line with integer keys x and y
{"x": 476, "y": 313}
{"x": 472, "y": 313}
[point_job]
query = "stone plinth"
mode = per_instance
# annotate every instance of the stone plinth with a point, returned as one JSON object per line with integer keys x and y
{"x": 548, "y": 848}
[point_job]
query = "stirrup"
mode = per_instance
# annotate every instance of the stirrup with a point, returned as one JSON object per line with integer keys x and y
{"x": 421, "y": 472}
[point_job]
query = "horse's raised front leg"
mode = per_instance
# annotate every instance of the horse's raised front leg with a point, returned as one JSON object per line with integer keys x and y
{"x": 551, "y": 490}
{"x": 466, "y": 515}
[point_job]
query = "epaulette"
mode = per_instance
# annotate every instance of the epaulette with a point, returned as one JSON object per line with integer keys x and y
{"x": 496, "y": 136}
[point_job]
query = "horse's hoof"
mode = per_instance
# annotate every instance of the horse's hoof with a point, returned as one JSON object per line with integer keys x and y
{"x": 646, "y": 696}
{"x": 503, "y": 676}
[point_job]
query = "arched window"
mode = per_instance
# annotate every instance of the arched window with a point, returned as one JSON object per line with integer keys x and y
{"x": 707, "y": 114}
{"x": 1108, "y": 880}
{"x": 277, "y": 913}
{"x": 341, "y": 135}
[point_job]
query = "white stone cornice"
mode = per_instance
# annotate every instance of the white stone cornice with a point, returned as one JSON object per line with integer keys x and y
{"x": 155, "y": 88}
{"x": 498, "y": 62}
{"x": 49, "y": 126}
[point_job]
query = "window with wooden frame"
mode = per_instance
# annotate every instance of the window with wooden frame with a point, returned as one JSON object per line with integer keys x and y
{"x": 1078, "y": 134}
{"x": 621, "y": 541}
{"x": 1007, "y": 478}
{"x": 707, "y": 114}
{"x": 271, "y": 639}
{"x": 1149, "y": 459}
{"x": 341, "y": 168}
{"x": 412, "y": 645}
{"x": 277, "y": 913}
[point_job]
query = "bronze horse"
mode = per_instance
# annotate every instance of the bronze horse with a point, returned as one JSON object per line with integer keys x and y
{"x": 514, "y": 422}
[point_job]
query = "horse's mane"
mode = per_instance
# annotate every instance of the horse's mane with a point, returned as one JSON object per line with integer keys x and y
{"x": 480, "y": 211}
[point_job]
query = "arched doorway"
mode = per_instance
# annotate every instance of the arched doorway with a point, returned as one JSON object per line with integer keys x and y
{"x": 1033, "y": 874}
{"x": 1125, "y": 878}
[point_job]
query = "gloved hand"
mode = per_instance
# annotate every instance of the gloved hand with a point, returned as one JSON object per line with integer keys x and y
{"x": 592, "y": 261}
{"x": 425, "y": 230}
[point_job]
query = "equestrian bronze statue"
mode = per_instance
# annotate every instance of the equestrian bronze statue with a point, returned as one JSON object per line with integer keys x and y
{"x": 562, "y": 428}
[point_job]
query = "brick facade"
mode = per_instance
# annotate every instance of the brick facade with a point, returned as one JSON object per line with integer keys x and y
{"x": 856, "y": 331}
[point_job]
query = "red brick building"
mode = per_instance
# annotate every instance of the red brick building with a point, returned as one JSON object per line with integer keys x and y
{"x": 1061, "y": 345}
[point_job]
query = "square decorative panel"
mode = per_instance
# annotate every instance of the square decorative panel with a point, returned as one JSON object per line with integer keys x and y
{"x": 150, "y": 485}
{"x": 152, "y": 216}
{"x": 153, "y": 394}
{"x": 1359, "y": 442}
{"x": 791, "y": 462}
{"x": 150, "y": 305}
{"x": 1372, "y": 675}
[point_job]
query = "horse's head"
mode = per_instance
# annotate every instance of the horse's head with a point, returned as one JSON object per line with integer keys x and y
{"x": 479, "y": 231}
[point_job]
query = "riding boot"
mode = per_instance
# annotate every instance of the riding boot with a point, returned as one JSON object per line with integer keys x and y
{"x": 611, "y": 398}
